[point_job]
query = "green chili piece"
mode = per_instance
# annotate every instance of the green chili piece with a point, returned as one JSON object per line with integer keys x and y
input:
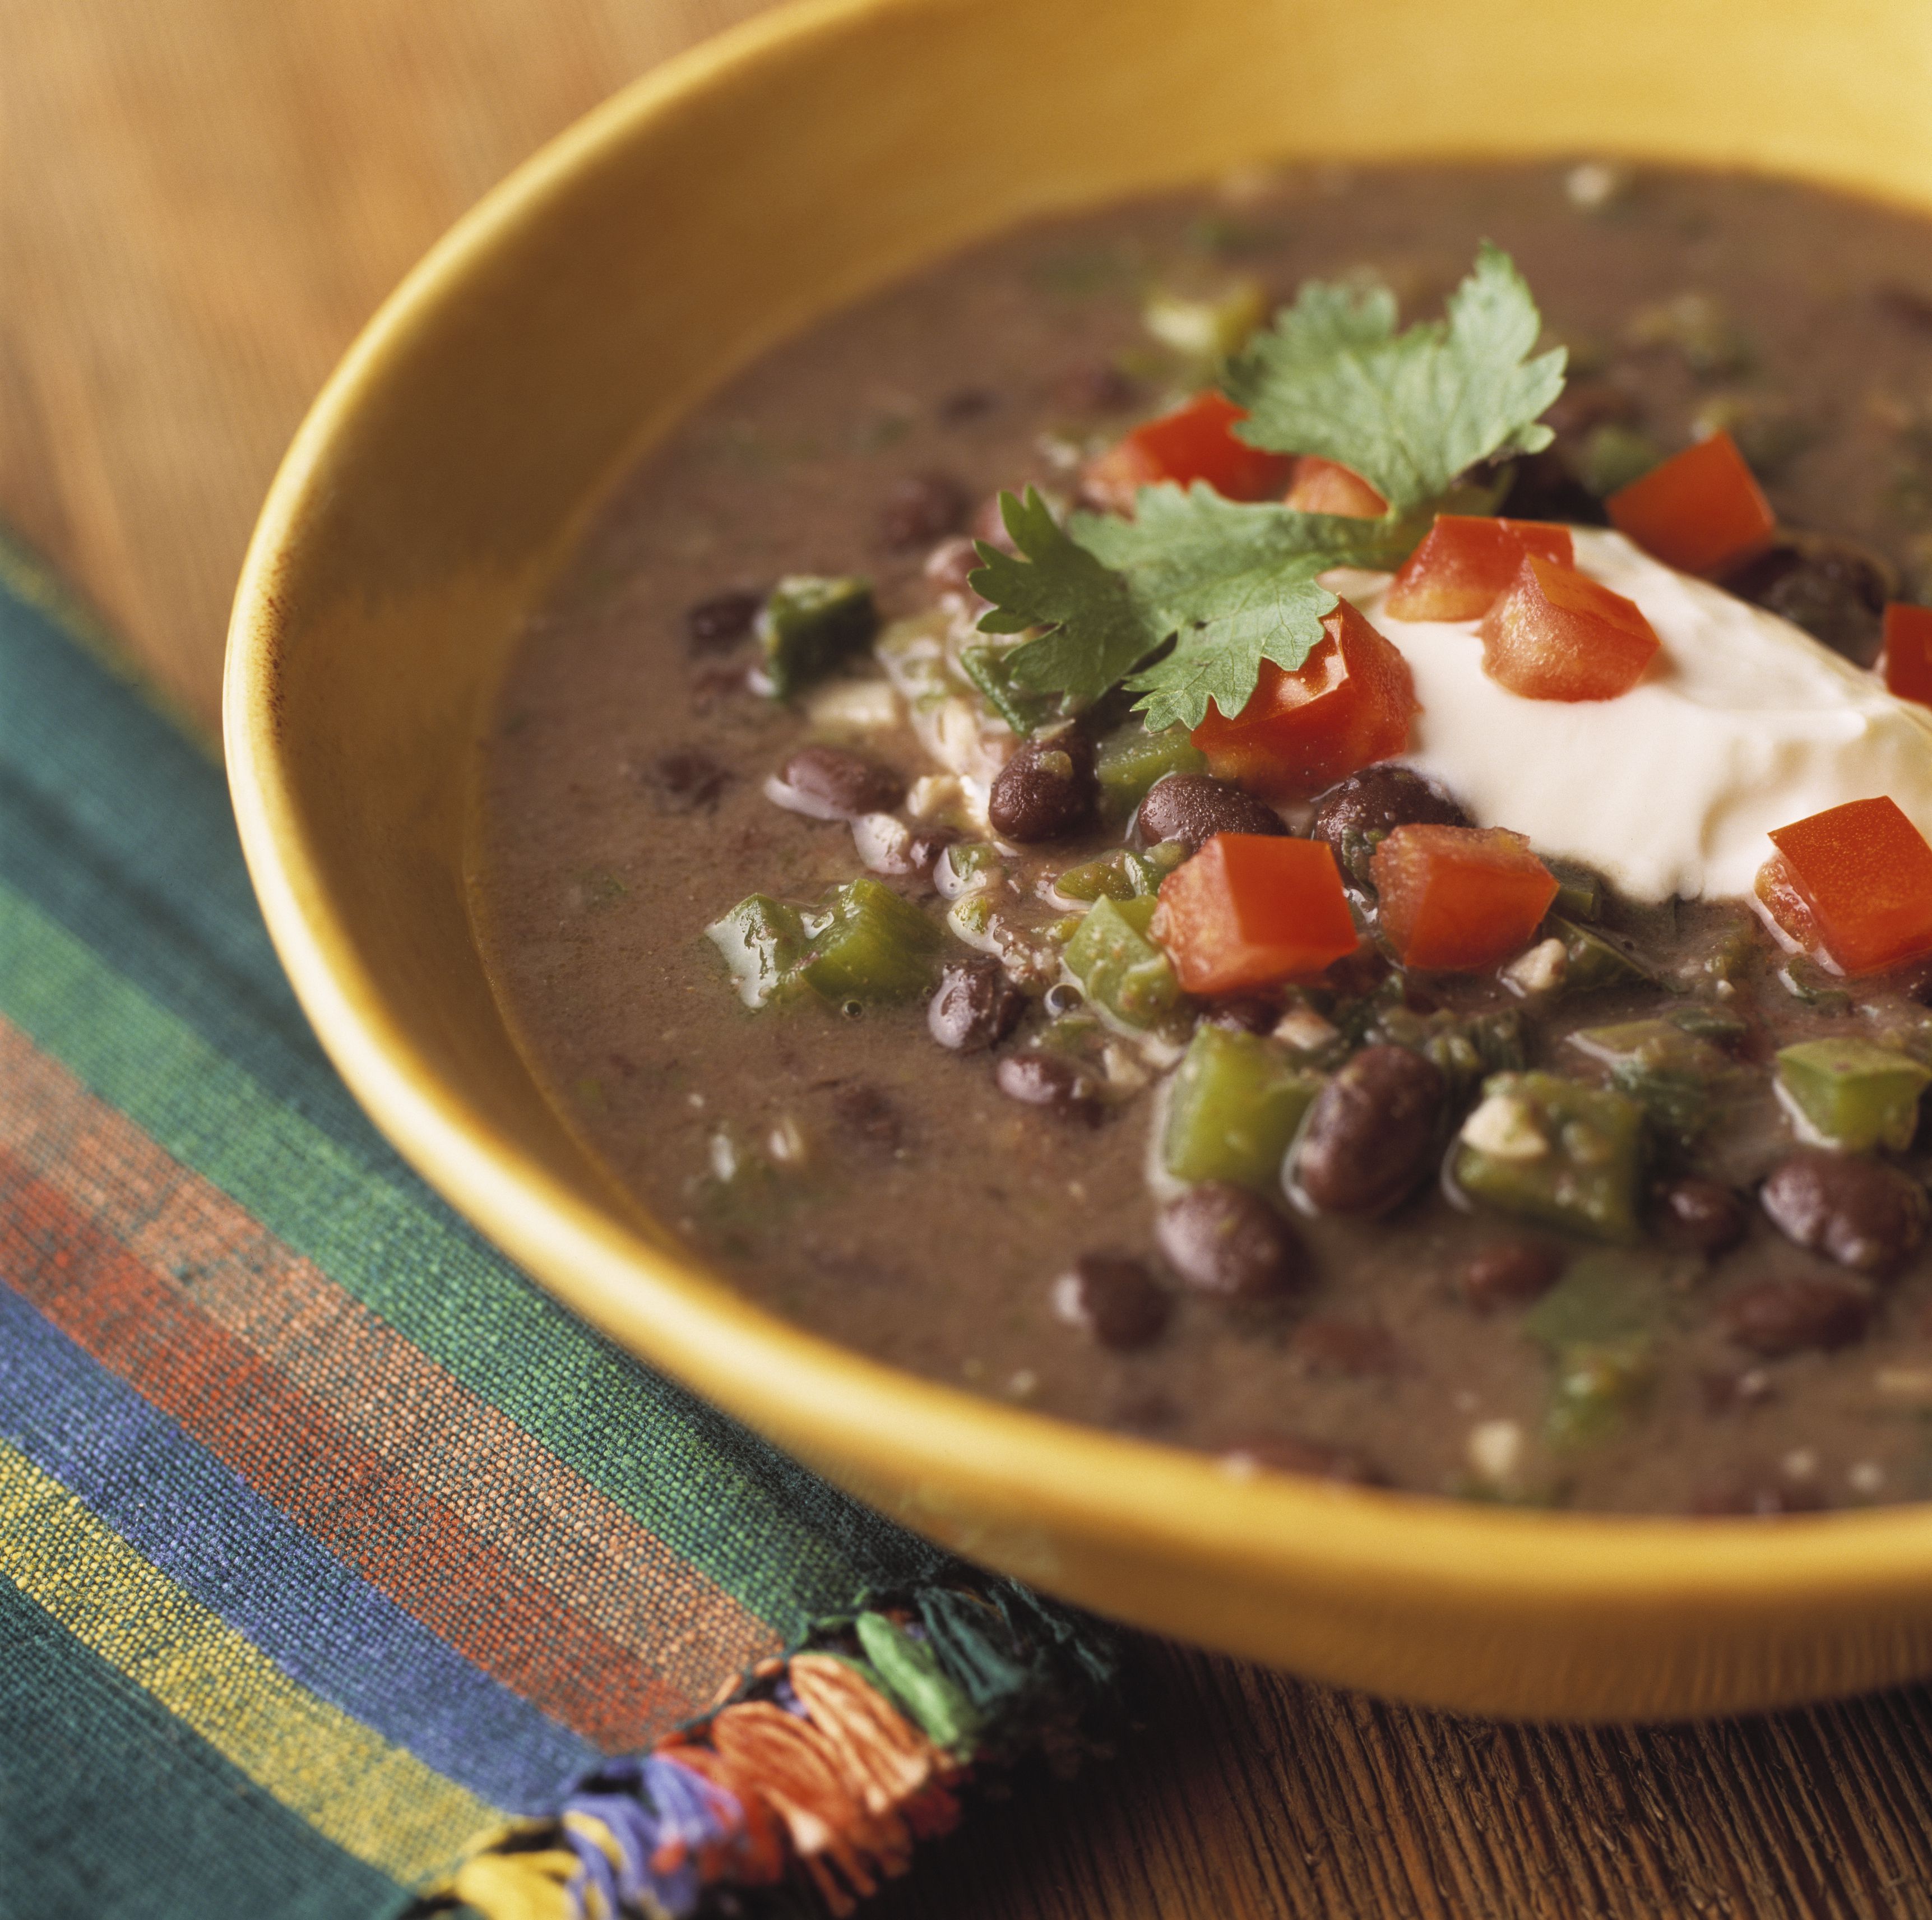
{"x": 1130, "y": 760}
{"x": 1599, "y": 1324}
{"x": 809, "y": 624}
{"x": 1590, "y": 961}
{"x": 868, "y": 944}
{"x": 1672, "y": 1075}
{"x": 1852, "y": 1094}
{"x": 1551, "y": 1150}
{"x": 1207, "y": 330}
{"x": 763, "y": 942}
{"x": 986, "y": 667}
{"x": 1236, "y": 1103}
{"x": 1579, "y": 892}
{"x": 1107, "y": 878}
{"x": 1121, "y": 970}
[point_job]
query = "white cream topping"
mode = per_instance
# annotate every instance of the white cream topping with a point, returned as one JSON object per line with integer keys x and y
{"x": 1742, "y": 723}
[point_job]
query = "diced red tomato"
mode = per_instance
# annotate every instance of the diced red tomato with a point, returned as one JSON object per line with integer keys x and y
{"x": 1558, "y": 635}
{"x": 1701, "y": 511}
{"x": 1465, "y": 562}
{"x": 1865, "y": 873}
{"x": 1196, "y": 442}
{"x": 1250, "y": 909}
{"x": 1348, "y": 703}
{"x": 1325, "y": 486}
{"x": 1778, "y": 891}
{"x": 1908, "y": 651}
{"x": 1455, "y": 898}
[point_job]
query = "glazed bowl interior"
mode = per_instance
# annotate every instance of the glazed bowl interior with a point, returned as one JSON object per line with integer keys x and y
{"x": 703, "y": 215}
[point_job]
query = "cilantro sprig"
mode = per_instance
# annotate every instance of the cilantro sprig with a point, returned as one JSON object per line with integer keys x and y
{"x": 1184, "y": 601}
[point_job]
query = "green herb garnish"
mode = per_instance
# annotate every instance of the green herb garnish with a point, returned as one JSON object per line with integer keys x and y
{"x": 1183, "y": 602}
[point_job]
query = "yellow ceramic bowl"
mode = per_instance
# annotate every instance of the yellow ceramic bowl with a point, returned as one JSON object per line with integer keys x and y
{"x": 716, "y": 206}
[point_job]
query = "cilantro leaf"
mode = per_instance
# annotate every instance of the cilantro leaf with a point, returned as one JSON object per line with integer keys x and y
{"x": 1100, "y": 629}
{"x": 1407, "y": 412}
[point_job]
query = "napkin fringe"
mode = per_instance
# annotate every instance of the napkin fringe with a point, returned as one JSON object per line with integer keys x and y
{"x": 812, "y": 1778}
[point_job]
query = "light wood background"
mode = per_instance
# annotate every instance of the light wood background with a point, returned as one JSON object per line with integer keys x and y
{"x": 200, "y": 202}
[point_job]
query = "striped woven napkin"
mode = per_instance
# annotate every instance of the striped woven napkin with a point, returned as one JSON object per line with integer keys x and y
{"x": 341, "y": 1572}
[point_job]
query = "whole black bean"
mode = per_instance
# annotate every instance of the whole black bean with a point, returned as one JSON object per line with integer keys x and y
{"x": 1803, "y": 1311}
{"x": 1112, "y": 1299}
{"x": 1224, "y": 1241}
{"x": 1357, "y": 814}
{"x": 974, "y": 1006}
{"x": 1508, "y": 1273}
{"x": 832, "y": 783}
{"x": 1834, "y": 589}
{"x": 1370, "y": 1136}
{"x": 1858, "y": 1212}
{"x": 1047, "y": 789}
{"x": 1048, "y": 1080}
{"x": 920, "y": 510}
{"x": 722, "y": 621}
{"x": 1701, "y": 1215}
{"x": 1192, "y": 807}
{"x": 686, "y": 779}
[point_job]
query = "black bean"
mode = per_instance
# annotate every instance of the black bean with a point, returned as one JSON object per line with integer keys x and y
{"x": 867, "y": 1118}
{"x": 1048, "y": 1080}
{"x": 1803, "y": 1311}
{"x": 722, "y": 621}
{"x": 1858, "y": 1212}
{"x": 1113, "y": 1299}
{"x": 1352, "y": 1347}
{"x": 1192, "y": 807}
{"x": 921, "y": 508}
{"x": 1701, "y": 1215}
{"x": 1834, "y": 589}
{"x": 686, "y": 780}
{"x": 1095, "y": 387}
{"x": 1285, "y": 1453}
{"x": 1356, "y": 815}
{"x": 1370, "y": 1136}
{"x": 975, "y": 1006}
{"x": 1224, "y": 1241}
{"x": 832, "y": 783}
{"x": 965, "y": 403}
{"x": 1046, "y": 790}
{"x": 1508, "y": 1273}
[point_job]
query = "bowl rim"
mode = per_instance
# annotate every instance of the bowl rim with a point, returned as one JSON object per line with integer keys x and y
{"x": 810, "y": 1393}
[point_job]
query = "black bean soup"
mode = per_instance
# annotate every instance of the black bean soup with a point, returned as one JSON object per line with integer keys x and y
{"x": 847, "y": 1039}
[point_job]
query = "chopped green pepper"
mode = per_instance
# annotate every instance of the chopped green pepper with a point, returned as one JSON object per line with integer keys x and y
{"x": 1552, "y": 1150}
{"x": 1590, "y": 962}
{"x": 986, "y": 667}
{"x": 1852, "y": 1094}
{"x": 1208, "y": 329}
{"x": 762, "y": 941}
{"x": 1235, "y": 1105}
{"x": 1579, "y": 892}
{"x": 868, "y": 944}
{"x": 1598, "y": 1323}
{"x": 1130, "y": 760}
{"x": 809, "y": 624}
{"x": 1672, "y": 1075}
{"x": 1122, "y": 874}
{"x": 1716, "y": 1024}
{"x": 1124, "y": 972}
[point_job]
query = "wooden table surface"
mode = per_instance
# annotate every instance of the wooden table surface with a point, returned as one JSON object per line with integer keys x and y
{"x": 200, "y": 201}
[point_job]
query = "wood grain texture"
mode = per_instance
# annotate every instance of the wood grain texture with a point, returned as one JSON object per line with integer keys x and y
{"x": 200, "y": 202}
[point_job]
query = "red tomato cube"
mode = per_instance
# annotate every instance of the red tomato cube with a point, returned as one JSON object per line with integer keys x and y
{"x": 1325, "y": 486}
{"x": 1348, "y": 703}
{"x": 1865, "y": 872}
{"x": 1455, "y": 898}
{"x": 1908, "y": 651}
{"x": 1196, "y": 442}
{"x": 1558, "y": 635}
{"x": 1465, "y": 563}
{"x": 1701, "y": 511}
{"x": 1250, "y": 909}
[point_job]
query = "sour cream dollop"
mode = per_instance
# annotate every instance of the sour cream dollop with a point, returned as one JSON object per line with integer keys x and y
{"x": 1743, "y": 723}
